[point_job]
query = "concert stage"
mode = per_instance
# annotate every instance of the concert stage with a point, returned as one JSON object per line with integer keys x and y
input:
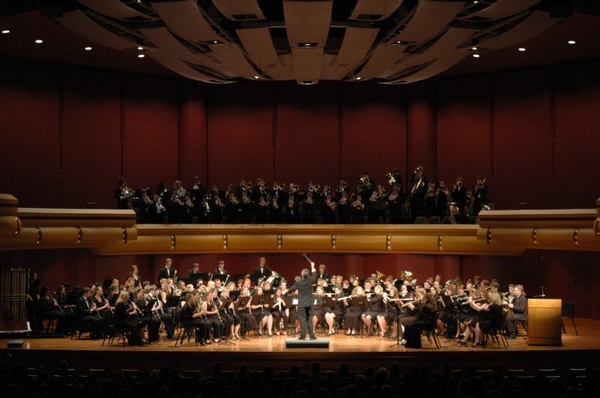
{"x": 259, "y": 352}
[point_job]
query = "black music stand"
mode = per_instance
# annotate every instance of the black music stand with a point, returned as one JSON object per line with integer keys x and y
{"x": 223, "y": 308}
{"x": 291, "y": 302}
{"x": 204, "y": 276}
{"x": 363, "y": 304}
{"x": 242, "y": 302}
{"x": 236, "y": 277}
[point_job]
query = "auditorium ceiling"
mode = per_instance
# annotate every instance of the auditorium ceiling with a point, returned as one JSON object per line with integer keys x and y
{"x": 226, "y": 41}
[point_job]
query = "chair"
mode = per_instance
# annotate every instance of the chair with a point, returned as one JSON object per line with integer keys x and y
{"x": 430, "y": 333}
{"x": 420, "y": 220}
{"x": 434, "y": 220}
{"x": 568, "y": 312}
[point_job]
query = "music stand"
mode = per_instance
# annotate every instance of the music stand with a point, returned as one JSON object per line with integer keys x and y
{"x": 236, "y": 277}
{"x": 291, "y": 302}
{"x": 223, "y": 308}
{"x": 363, "y": 304}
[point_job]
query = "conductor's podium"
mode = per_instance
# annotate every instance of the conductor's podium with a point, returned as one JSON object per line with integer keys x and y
{"x": 544, "y": 321}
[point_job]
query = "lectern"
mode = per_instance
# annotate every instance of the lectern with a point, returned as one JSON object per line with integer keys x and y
{"x": 544, "y": 324}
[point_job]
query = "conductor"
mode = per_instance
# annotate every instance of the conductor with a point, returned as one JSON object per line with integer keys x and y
{"x": 305, "y": 301}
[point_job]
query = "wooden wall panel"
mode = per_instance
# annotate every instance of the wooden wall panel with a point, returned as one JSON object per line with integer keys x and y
{"x": 240, "y": 134}
{"x": 577, "y": 135}
{"x": 464, "y": 136}
{"x": 91, "y": 125}
{"x": 373, "y": 132}
{"x": 523, "y": 140}
{"x": 29, "y": 134}
{"x": 307, "y": 134}
{"x": 150, "y": 132}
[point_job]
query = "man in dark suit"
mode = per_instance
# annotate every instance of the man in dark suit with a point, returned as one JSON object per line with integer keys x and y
{"x": 220, "y": 272}
{"x": 166, "y": 272}
{"x": 304, "y": 286}
{"x": 88, "y": 316}
{"x": 262, "y": 271}
{"x": 323, "y": 274}
{"x": 519, "y": 307}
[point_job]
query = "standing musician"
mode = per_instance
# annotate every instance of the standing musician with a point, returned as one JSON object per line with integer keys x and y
{"x": 262, "y": 271}
{"x": 305, "y": 301}
{"x": 323, "y": 274}
{"x": 127, "y": 316}
{"x": 193, "y": 317}
{"x": 124, "y": 195}
{"x": 480, "y": 192}
{"x": 211, "y": 311}
{"x": 278, "y": 312}
{"x": 220, "y": 272}
{"x": 167, "y": 272}
{"x": 417, "y": 192}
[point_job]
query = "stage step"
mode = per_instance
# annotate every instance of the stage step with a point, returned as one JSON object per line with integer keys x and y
{"x": 297, "y": 343}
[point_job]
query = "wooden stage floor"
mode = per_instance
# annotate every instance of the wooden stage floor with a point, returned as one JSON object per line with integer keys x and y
{"x": 258, "y": 353}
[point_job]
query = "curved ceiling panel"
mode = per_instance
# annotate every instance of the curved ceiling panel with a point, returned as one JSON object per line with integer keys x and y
{"x": 389, "y": 41}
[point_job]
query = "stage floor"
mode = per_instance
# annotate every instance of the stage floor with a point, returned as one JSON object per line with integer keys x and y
{"x": 358, "y": 352}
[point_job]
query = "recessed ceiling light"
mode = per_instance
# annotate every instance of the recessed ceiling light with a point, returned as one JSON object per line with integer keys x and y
{"x": 5, "y": 31}
{"x": 358, "y": 78}
{"x": 88, "y": 48}
{"x": 522, "y": 49}
{"x": 474, "y": 48}
{"x": 39, "y": 41}
{"x": 141, "y": 55}
{"x": 140, "y": 48}
{"x": 475, "y": 55}
{"x": 571, "y": 42}
{"x": 256, "y": 77}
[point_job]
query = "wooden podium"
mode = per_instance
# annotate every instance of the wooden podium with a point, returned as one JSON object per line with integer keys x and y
{"x": 544, "y": 323}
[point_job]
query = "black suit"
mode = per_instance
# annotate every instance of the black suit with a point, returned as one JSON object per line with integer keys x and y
{"x": 305, "y": 304}
{"x": 325, "y": 276}
{"x": 262, "y": 273}
{"x": 220, "y": 274}
{"x": 165, "y": 273}
{"x": 89, "y": 320}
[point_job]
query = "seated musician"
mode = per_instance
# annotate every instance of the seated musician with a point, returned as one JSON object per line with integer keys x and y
{"x": 87, "y": 314}
{"x": 231, "y": 319}
{"x": 480, "y": 304}
{"x": 127, "y": 316}
{"x": 242, "y": 307}
{"x": 211, "y": 311}
{"x": 353, "y": 313}
{"x": 193, "y": 317}
{"x": 261, "y": 313}
{"x": 52, "y": 310}
{"x": 318, "y": 307}
{"x": 278, "y": 312}
{"x": 426, "y": 309}
{"x": 376, "y": 311}
{"x": 157, "y": 309}
{"x": 392, "y": 301}
{"x": 336, "y": 311}
{"x": 519, "y": 311}
{"x": 140, "y": 300}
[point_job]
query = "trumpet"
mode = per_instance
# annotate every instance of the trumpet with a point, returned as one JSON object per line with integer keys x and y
{"x": 390, "y": 177}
